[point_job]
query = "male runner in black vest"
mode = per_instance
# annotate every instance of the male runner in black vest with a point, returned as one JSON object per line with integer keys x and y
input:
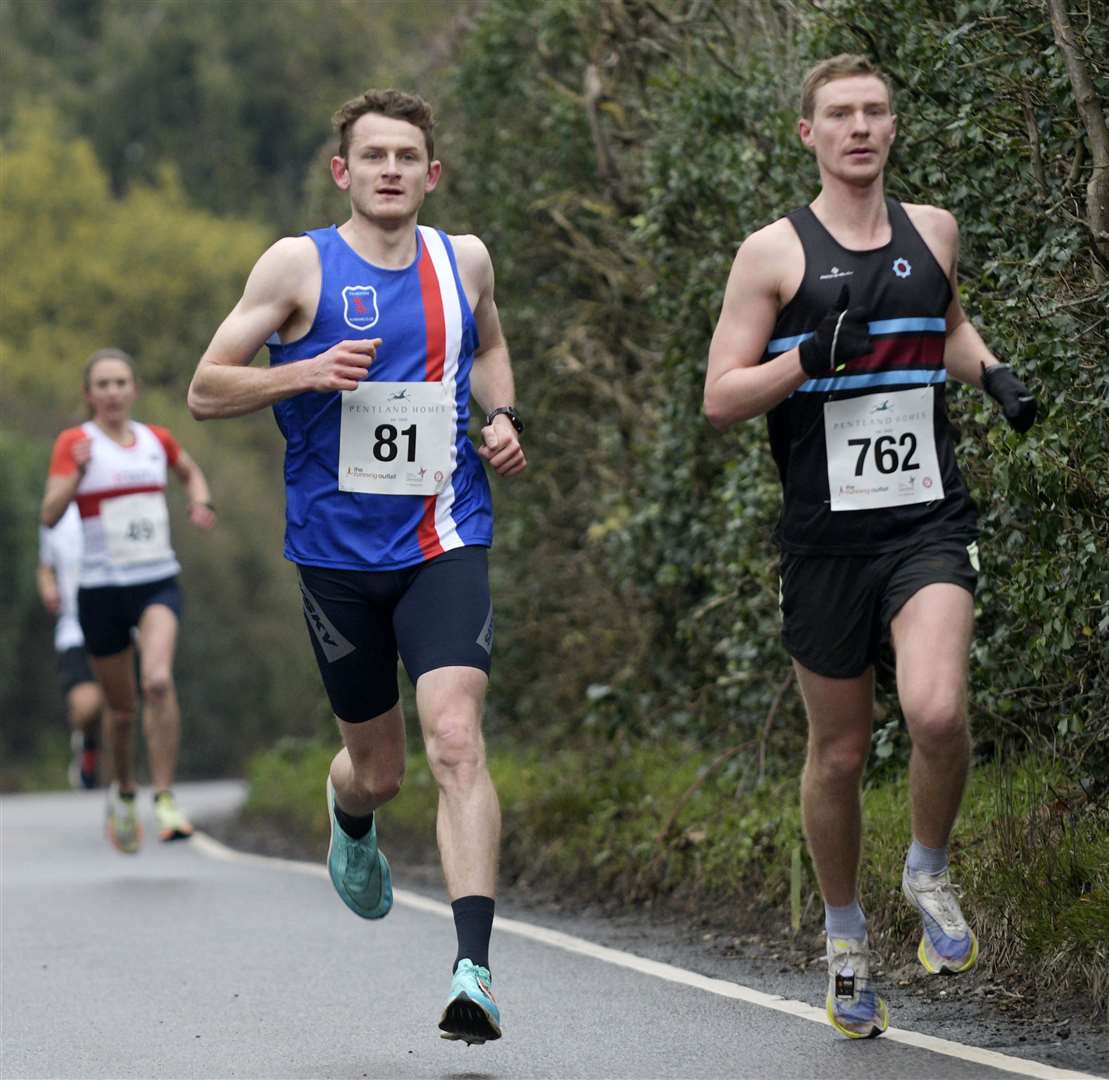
{"x": 841, "y": 323}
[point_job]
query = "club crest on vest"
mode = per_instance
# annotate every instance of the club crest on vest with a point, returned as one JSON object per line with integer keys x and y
{"x": 360, "y": 306}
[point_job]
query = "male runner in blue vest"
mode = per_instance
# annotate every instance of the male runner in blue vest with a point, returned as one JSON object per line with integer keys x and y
{"x": 378, "y": 330}
{"x": 841, "y": 323}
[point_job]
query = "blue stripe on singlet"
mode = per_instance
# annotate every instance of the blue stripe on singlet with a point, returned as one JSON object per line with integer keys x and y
{"x": 784, "y": 344}
{"x": 873, "y": 378}
{"x": 908, "y": 326}
{"x": 882, "y": 326}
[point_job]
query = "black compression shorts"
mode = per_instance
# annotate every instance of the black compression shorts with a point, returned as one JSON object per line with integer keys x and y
{"x": 73, "y": 668}
{"x": 837, "y": 609}
{"x": 437, "y": 614}
{"x": 108, "y": 613}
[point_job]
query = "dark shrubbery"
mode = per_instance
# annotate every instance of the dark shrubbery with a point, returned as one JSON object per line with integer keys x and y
{"x": 641, "y": 145}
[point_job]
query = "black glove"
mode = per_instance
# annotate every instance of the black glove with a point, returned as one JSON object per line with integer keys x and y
{"x": 842, "y": 335}
{"x": 1017, "y": 403}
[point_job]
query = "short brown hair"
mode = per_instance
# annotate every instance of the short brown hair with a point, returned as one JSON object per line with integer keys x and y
{"x": 110, "y": 353}
{"x": 839, "y": 67}
{"x": 395, "y": 104}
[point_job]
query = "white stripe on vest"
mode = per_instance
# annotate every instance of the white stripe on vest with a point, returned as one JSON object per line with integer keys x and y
{"x": 445, "y": 524}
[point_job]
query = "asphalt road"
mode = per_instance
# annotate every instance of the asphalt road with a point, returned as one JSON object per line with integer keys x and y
{"x": 177, "y": 963}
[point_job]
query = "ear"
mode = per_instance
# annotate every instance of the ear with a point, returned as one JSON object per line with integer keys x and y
{"x": 804, "y": 129}
{"x": 434, "y": 172}
{"x": 893, "y": 129}
{"x": 340, "y": 173}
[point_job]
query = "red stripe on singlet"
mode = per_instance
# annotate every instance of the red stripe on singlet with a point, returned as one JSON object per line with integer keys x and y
{"x": 892, "y": 351}
{"x": 89, "y": 505}
{"x": 436, "y": 356}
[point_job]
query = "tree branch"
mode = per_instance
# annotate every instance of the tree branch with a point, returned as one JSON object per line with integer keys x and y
{"x": 1093, "y": 118}
{"x": 607, "y": 169}
{"x": 782, "y": 688}
{"x": 1034, "y": 143}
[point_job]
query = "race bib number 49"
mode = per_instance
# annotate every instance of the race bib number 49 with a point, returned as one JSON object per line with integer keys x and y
{"x": 136, "y": 528}
{"x": 395, "y": 438}
{"x": 882, "y": 450}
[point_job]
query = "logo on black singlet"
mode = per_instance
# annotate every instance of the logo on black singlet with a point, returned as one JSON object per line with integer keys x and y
{"x": 902, "y": 268}
{"x": 836, "y": 272}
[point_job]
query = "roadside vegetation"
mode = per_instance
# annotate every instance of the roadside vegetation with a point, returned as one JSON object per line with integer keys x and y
{"x": 621, "y": 824}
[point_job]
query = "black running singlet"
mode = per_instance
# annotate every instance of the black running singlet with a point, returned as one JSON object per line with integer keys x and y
{"x": 869, "y": 475}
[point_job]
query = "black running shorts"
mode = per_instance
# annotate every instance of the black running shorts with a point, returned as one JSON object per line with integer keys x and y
{"x": 437, "y": 614}
{"x": 837, "y": 609}
{"x": 108, "y": 613}
{"x": 73, "y": 668}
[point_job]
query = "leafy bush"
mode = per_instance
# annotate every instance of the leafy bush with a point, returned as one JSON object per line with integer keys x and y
{"x": 614, "y": 216}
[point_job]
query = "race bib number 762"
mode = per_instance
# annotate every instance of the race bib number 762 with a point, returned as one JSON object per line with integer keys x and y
{"x": 882, "y": 450}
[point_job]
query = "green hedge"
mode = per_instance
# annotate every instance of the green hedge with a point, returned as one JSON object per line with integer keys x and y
{"x": 645, "y": 546}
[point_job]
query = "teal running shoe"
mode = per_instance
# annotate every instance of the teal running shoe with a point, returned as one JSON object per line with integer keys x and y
{"x": 854, "y": 1008}
{"x": 948, "y": 945}
{"x": 471, "y": 1013}
{"x": 358, "y": 870}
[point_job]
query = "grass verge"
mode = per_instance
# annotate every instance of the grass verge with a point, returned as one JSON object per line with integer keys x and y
{"x": 636, "y": 822}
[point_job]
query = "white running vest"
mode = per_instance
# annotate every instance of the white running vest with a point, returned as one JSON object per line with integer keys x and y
{"x": 123, "y": 509}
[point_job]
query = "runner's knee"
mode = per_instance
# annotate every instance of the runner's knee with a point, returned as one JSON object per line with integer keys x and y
{"x": 377, "y": 785}
{"x": 156, "y": 685}
{"x": 453, "y": 746}
{"x": 120, "y": 718}
{"x": 938, "y": 721}
{"x": 840, "y": 759}
{"x": 85, "y": 702}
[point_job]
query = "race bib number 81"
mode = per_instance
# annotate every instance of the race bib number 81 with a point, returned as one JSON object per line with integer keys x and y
{"x": 882, "y": 450}
{"x": 395, "y": 438}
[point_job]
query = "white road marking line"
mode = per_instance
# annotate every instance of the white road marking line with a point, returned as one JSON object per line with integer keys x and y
{"x": 992, "y": 1058}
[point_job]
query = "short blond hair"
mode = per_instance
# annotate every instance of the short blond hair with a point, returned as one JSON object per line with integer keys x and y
{"x": 842, "y": 66}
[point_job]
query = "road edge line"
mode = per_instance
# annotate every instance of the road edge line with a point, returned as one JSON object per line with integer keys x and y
{"x": 668, "y": 972}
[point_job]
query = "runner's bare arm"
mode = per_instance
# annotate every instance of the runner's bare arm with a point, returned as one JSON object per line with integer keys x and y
{"x": 62, "y": 483}
{"x": 224, "y": 384}
{"x": 60, "y": 492}
{"x": 491, "y": 378}
{"x": 737, "y": 386}
{"x": 964, "y": 350}
{"x": 201, "y": 512}
{"x": 49, "y": 593}
{"x": 965, "y": 353}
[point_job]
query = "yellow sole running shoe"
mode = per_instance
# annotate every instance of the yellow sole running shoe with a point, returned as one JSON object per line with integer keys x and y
{"x": 123, "y": 828}
{"x": 854, "y": 1008}
{"x": 172, "y": 823}
{"x": 948, "y": 946}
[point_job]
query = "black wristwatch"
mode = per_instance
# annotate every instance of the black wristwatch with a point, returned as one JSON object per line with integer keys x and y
{"x": 510, "y": 412}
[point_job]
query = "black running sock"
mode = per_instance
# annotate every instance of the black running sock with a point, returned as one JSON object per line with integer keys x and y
{"x": 354, "y": 827}
{"x": 89, "y": 742}
{"x": 473, "y": 922}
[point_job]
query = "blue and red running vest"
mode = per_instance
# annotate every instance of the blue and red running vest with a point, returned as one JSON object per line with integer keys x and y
{"x": 906, "y": 295}
{"x": 428, "y": 333}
